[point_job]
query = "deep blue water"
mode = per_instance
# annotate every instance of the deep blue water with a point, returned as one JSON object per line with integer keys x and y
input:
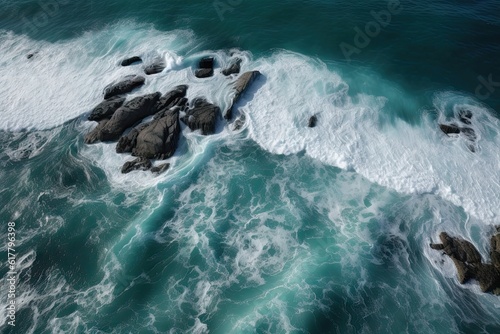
{"x": 276, "y": 228}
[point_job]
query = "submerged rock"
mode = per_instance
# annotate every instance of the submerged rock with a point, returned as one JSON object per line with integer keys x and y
{"x": 123, "y": 87}
{"x": 465, "y": 116}
{"x": 239, "y": 88}
{"x": 131, "y": 61}
{"x": 451, "y": 128}
{"x": 137, "y": 164}
{"x": 312, "y": 121}
{"x": 129, "y": 114}
{"x": 159, "y": 139}
{"x": 160, "y": 169}
{"x": 234, "y": 67}
{"x": 106, "y": 109}
{"x": 468, "y": 261}
{"x": 202, "y": 116}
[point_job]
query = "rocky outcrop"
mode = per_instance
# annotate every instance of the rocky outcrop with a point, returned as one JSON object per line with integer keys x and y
{"x": 127, "y": 142}
{"x": 234, "y": 67}
{"x": 468, "y": 261}
{"x": 312, "y": 121}
{"x": 131, "y": 61}
{"x": 175, "y": 97}
{"x": 202, "y": 116}
{"x": 239, "y": 88}
{"x": 464, "y": 128}
{"x": 129, "y": 114}
{"x": 94, "y": 136}
{"x": 106, "y": 109}
{"x": 137, "y": 164}
{"x": 160, "y": 169}
{"x": 157, "y": 67}
{"x": 159, "y": 139}
{"x": 206, "y": 68}
{"x": 124, "y": 86}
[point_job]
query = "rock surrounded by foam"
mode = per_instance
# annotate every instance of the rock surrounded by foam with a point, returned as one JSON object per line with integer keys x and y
{"x": 137, "y": 164}
{"x": 159, "y": 139}
{"x": 175, "y": 97}
{"x": 202, "y": 116}
{"x": 126, "y": 116}
{"x": 239, "y": 88}
{"x": 468, "y": 261}
{"x": 206, "y": 68}
{"x": 124, "y": 86}
{"x": 131, "y": 61}
{"x": 234, "y": 67}
{"x": 157, "y": 67}
{"x": 106, "y": 109}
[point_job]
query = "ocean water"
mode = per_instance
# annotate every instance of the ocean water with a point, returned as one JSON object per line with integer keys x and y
{"x": 276, "y": 227}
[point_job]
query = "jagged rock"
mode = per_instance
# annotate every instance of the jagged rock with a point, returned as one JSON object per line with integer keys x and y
{"x": 155, "y": 68}
{"x": 452, "y": 128}
{"x": 137, "y": 164}
{"x": 94, "y": 135}
{"x": 204, "y": 73}
{"x": 129, "y": 114}
{"x": 312, "y": 121}
{"x": 106, "y": 109}
{"x": 159, "y": 139}
{"x": 465, "y": 116}
{"x": 468, "y": 263}
{"x": 31, "y": 55}
{"x": 160, "y": 169}
{"x": 125, "y": 86}
{"x": 469, "y": 133}
{"x": 127, "y": 142}
{"x": 206, "y": 68}
{"x": 239, "y": 87}
{"x": 202, "y": 116}
{"x": 495, "y": 250}
{"x": 131, "y": 61}
{"x": 234, "y": 67}
{"x": 172, "y": 98}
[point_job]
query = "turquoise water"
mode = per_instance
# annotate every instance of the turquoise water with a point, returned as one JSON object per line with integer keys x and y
{"x": 276, "y": 228}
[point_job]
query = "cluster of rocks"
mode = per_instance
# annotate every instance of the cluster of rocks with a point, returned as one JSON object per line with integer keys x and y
{"x": 468, "y": 261}
{"x": 157, "y": 139}
{"x": 463, "y": 128}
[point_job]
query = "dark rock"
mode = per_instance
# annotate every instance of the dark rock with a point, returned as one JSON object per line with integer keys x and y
{"x": 31, "y": 55}
{"x": 469, "y": 133}
{"x": 239, "y": 87}
{"x": 452, "y": 128}
{"x": 204, "y": 73}
{"x": 123, "y": 87}
{"x": 465, "y": 116}
{"x": 129, "y": 114}
{"x": 202, "y": 116}
{"x": 207, "y": 62}
{"x": 160, "y": 169}
{"x": 106, "y": 109}
{"x": 179, "y": 104}
{"x": 94, "y": 135}
{"x": 238, "y": 124}
{"x": 131, "y": 61}
{"x": 137, "y": 164}
{"x": 172, "y": 98}
{"x": 160, "y": 138}
{"x": 468, "y": 263}
{"x": 155, "y": 68}
{"x": 127, "y": 142}
{"x": 312, "y": 121}
{"x": 234, "y": 67}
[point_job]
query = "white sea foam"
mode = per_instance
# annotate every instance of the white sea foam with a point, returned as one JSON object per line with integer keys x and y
{"x": 65, "y": 80}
